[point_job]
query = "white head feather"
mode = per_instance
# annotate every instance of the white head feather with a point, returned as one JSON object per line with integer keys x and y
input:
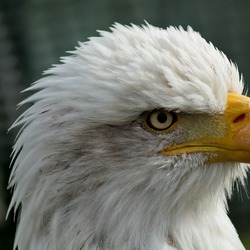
{"x": 89, "y": 176}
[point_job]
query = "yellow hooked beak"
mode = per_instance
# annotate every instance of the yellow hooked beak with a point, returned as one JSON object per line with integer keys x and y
{"x": 231, "y": 142}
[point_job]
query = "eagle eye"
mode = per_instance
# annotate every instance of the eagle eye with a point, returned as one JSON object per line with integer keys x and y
{"x": 159, "y": 120}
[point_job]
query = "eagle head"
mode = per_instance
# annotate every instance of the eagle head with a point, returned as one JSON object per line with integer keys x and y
{"x": 133, "y": 142}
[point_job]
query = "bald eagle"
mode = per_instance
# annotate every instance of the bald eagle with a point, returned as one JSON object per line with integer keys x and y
{"x": 133, "y": 142}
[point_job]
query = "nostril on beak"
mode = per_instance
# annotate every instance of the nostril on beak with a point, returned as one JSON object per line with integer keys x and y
{"x": 239, "y": 118}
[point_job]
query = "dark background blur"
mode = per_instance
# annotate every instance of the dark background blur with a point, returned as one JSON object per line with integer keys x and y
{"x": 35, "y": 33}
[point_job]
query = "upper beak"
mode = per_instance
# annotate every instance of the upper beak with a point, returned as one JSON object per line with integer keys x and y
{"x": 232, "y": 143}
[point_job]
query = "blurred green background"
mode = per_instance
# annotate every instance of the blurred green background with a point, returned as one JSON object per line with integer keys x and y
{"x": 35, "y": 33}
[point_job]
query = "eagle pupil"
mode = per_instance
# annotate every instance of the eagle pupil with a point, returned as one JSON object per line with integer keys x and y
{"x": 162, "y": 117}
